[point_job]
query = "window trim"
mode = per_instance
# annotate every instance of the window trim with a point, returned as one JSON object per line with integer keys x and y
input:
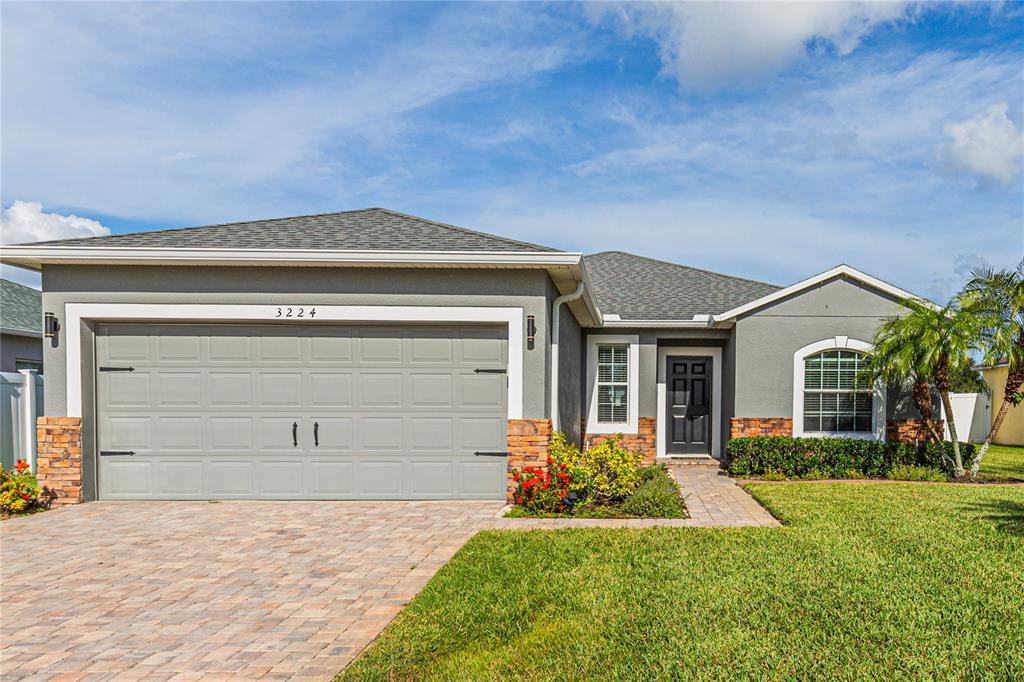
{"x": 877, "y": 431}
{"x": 631, "y": 425}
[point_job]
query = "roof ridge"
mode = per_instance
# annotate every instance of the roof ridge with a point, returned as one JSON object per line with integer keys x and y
{"x": 689, "y": 267}
{"x": 458, "y": 228}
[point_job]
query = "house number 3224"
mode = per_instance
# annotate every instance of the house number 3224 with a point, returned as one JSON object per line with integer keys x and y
{"x": 295, "y": 312}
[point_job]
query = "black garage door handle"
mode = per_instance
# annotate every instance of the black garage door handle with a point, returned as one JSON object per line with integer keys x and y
{"x": 295, "y": 434}
{"x": 110, "y": 453}
{"x": 479, "y": 453}
{"x": 316, "y": 434}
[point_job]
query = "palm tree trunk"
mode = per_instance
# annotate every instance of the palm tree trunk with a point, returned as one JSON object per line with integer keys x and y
{"x": 922, "y": 396}
{"x": 942, "y": 383}
{"x": 1014, "y": 383}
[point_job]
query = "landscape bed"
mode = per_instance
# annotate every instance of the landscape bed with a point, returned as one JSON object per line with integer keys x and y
{"x": 866, "y": 581}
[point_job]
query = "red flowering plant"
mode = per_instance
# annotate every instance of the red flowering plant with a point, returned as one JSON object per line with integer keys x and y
{"x": 19, "y": 490}
{"x": 555, "y": 487}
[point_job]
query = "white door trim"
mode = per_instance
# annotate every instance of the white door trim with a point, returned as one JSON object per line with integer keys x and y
{"x": 74, "y": 313}
{"x": 716, "y": 395}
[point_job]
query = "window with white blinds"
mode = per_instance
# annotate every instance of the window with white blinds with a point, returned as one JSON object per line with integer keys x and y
{"x": 834, "y": 400}
{"x": 613, "y": 384}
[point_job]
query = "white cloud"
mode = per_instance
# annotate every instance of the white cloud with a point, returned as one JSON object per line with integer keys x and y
{"x": 25, "y": 221}
{"x": 710, "y": 46}
{"x": 988, "y": 145}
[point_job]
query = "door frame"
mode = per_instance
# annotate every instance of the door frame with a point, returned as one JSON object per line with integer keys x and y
{"x": 715, "y": 354}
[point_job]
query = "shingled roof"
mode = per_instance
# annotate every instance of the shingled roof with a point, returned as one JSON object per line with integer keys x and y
{"x": 639, "y": 288}
{"x": 20, "y": 308}
{"x": 369, "y": 229}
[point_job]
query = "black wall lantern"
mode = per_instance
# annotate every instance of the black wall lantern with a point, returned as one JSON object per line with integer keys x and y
{"x": 50, "y": 327}
{"x": 531, "y": 331}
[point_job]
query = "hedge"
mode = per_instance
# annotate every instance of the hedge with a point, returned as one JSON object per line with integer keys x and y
{"x": 788, "y": 457}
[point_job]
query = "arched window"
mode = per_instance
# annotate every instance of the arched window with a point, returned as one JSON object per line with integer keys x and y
{"x": 834, "y": 399}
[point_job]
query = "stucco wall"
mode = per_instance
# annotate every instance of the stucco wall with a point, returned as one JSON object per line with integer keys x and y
{"x": 767, "y": 339}
{"x": 528, "y": 289}
{"x": 14, "y": 347}
{"x": 570, "y": 368}
{"x": 1012, "y": 430}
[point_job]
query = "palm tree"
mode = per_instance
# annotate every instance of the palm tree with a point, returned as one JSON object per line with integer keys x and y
{"x": 930, "y": 342}
{"x": 997, "y": 298}
{"x": 894, "y": 359}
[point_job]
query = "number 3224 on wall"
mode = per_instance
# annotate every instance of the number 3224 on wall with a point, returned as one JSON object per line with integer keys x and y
{"x": 294, "y": 312}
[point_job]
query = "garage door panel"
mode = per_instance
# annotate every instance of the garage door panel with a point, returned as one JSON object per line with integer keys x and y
{"x": 231, "y": 389}
{"x": 209, "y": 410}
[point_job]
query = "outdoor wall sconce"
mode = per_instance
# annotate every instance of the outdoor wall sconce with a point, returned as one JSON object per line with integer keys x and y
{"x": 50, "y": 327}
{"x": 531, "y": 331}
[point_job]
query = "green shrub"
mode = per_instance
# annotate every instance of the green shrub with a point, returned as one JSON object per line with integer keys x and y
{"x": 909, "y": 472}
{"x": 612, "y": 472}
{"x": 19, "y": 491}
{"x": 833, "y": 457}
{"x": 657, "y": 497}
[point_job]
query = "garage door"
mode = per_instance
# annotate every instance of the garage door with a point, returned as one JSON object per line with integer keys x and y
{"x": 312, "y": 412}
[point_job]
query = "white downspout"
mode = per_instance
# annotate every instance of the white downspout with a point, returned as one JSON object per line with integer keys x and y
{"x": 555, "y": 426}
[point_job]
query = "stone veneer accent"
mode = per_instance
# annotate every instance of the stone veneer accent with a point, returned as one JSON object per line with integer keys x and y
{"x": 911, "y": 430}
{"x": 740, "y": 427}
{"x": 527, "y": 446}
{"x": 59, "y": 459}
{"x": 643, "y": 442}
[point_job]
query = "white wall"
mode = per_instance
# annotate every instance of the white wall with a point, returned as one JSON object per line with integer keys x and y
{"x": 17, "y": 429}
{"x": 972, "y": 413}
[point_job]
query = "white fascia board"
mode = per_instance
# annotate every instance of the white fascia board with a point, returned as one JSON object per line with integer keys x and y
{"x": 838, "y": 271}
{"x": 695, "y": 323}
{"x": 34, "y": 256}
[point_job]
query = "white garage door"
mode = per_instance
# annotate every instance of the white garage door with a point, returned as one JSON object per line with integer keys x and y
{"x": 311, "y": 412}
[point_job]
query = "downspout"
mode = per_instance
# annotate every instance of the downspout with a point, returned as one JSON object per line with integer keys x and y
{"x": 555, "y": 426}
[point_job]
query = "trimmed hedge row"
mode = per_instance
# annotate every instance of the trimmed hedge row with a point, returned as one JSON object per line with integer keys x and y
{"x": 788, "y": 457}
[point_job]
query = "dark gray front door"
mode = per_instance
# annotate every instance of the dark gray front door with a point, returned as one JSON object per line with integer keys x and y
{"x": 688, "y": 384}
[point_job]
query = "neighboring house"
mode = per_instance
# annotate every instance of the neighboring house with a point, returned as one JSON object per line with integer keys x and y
{"x": 1012, "y": 430}
{"x": 21, "y": 323}
{"x": 374, "y": 355}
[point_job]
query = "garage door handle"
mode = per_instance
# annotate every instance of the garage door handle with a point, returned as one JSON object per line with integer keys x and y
{"x": 110, "y": 453}
{"x": 295, "y": 434}
{"x": 479, "y": 453}
{"x": 481, "y": 370}
{"x": 316, "y": 434}
{"x": 117, "y": 369}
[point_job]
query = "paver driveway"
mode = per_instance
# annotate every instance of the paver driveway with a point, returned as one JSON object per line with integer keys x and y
{"x": 250, "y": 589}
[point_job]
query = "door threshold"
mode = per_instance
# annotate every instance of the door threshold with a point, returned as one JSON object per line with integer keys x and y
{"x": 689, "y": 459}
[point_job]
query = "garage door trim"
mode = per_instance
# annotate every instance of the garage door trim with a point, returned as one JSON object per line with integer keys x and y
{"x": 75, "y": 313}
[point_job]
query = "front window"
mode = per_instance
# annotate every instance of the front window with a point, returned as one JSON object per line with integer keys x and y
{"x": 612, "y": 384}
{"x": 834, "y": 398}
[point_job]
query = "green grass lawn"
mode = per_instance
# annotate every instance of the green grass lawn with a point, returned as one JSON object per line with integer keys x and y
{"x": 867, "y": 581}
{"x": 1004, "y": 461}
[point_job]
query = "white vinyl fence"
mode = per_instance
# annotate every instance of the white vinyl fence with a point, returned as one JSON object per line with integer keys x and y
{"x": 21, "y": 401}
{"x": 972, "y": 414}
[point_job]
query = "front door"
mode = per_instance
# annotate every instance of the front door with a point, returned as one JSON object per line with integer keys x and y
{"x": 688, "y": 405}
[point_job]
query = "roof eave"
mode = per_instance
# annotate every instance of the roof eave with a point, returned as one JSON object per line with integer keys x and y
{"x": 34, "y": 257}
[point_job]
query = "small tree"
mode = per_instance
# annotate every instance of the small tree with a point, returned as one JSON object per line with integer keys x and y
{"x": 996, "y": 297}
{"x": 930, "y": 342}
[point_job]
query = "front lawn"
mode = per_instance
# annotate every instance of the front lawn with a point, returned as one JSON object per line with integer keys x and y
{"x": 867, "y": 581}
{"x": 1003, "y": 461}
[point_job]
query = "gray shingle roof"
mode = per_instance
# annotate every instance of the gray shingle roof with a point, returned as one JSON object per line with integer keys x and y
{"x": 369, "y": 229}
{"x": 20, "y": 307}
{"x": 638, "y": 288}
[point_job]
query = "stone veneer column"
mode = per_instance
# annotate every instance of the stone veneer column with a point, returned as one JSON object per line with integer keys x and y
{"x": 740, "y": 427}
{"x": 528, "y": 441}
{"x": 644, "y": 441}
{"x": 59, "y": 459}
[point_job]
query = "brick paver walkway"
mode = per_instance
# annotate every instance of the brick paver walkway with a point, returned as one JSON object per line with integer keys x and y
{"x": 255, "y": 590}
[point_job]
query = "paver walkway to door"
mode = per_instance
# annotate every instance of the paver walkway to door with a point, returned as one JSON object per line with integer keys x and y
{"x": 256, "y": 590}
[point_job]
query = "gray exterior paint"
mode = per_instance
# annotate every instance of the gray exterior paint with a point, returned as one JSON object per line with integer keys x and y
{"x": 767, "y": 338}
{"x": 570, "y": 375}
{"x": 15, "y": 347}
{"x": 527, "y": 289}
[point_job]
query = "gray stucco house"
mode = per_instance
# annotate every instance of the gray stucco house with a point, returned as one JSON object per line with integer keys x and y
{"x": 372, "y": 354}
{"x": 21, "y": 334}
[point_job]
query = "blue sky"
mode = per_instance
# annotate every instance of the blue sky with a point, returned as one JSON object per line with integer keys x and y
{"x": 770, "y": 141}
